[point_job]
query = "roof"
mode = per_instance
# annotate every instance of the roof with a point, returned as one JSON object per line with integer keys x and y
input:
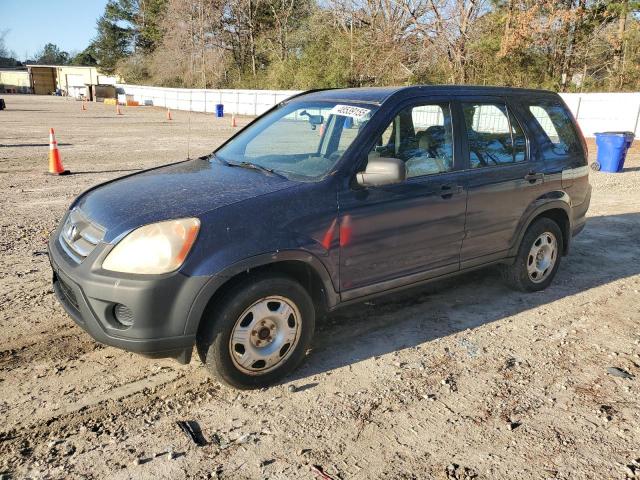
{"x": 378, "y": 95}
{"x": 60, "y": 66}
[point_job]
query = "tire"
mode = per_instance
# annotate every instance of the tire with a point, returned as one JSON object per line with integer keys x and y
{"x": 254, "y": 322}
{"x": 541, "y": 243}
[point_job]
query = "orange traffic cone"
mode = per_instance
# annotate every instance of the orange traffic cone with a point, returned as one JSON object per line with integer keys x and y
{"x": 169, "y": 114}
{"x": 234, "y": 124}
{"x": 118, "y": 112}
{"x": 55, "y": 163}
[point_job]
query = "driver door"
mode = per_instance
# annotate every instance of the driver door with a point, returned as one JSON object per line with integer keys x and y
{"x": 393, "y": 235}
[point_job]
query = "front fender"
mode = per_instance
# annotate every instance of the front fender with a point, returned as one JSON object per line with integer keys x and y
{"x": 219, "y": 279}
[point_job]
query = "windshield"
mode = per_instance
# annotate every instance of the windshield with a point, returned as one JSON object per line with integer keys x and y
{"x": 300, "y": 140}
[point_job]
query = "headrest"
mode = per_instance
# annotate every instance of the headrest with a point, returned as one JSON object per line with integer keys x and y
{"x": 424, "y": 142}
{"x": 435, "y": 131}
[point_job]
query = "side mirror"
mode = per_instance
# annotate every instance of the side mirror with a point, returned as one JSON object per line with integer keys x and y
{"x": 382, "y": 171}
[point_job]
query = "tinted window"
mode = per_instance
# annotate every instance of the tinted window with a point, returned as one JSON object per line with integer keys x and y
{"x": 494, "y": 135}
{"x": 422, "y": 137}
{"x": 557, "y": 126}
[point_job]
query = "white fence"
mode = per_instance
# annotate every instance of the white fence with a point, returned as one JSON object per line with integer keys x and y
{"x": 601, "y": 112}
{"x": 241, "y": 102}
{"x": 595, "y": 112}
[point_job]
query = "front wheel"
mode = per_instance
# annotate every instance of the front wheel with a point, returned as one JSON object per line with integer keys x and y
{"x": 259, "y": 332}
{"x": 538, "y": 257}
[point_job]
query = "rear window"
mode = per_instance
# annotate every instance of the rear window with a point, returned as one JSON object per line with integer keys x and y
{"x": 555, "y": 122}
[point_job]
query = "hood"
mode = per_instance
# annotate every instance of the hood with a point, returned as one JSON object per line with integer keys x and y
{"x": 185, "y": 189}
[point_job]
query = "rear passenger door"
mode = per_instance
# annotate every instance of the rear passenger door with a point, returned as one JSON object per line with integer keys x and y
{"x": 503, "y": 179}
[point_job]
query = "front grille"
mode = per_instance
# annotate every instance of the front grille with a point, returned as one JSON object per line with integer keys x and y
{"x": 69, "y": 294}
{"x": 79, "y": 236}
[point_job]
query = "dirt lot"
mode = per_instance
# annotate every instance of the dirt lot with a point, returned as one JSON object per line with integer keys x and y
{"x": 463, "y": 379}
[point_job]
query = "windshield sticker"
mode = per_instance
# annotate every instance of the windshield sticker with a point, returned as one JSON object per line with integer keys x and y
{"x": 348, "y": 111}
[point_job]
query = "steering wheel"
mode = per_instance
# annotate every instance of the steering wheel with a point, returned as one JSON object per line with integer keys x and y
{"x": 479, "y": 156}
{"x": 334, "y": 156}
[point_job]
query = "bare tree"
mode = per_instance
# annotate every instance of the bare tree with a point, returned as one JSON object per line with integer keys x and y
{"x": 282, "y": 11}
{"x": 3, "y": 48}
{"x": 382, "y": 38}
{"x": 619, "y": 43}
{"x": 190, "y": 52}
{"x": 453, "y": 29}
{"x": 243, "y": 28}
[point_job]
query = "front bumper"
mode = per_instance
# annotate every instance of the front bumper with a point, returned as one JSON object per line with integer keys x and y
{"x": 160, "y": 304}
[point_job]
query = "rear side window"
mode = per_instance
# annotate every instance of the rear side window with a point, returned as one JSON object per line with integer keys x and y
{"x": 494, "y": 135}
{"x": 561, "y": 137}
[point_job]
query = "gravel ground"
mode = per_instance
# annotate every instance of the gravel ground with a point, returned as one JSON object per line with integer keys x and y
{"x": 461, "y": 379}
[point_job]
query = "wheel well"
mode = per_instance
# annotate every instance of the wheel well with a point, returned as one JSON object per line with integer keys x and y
{"x": 300, "y": 271}
{"x": 559, "y": 216}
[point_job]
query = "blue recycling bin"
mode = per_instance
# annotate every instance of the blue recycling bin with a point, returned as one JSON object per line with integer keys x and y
{"x": 612, "y": 150}
{"x": 219, "y": 110}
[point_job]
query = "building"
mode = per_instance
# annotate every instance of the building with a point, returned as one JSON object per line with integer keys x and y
{"x": 14, "y": 80}
{"x": 65, "y": 80}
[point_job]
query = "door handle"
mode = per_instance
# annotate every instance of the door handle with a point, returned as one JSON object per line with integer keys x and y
{"x": 533, "y": 177}
{"x": 447, "y": 190}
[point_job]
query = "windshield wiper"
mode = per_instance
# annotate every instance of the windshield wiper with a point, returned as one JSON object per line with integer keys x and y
{"x": 255, "y": 166}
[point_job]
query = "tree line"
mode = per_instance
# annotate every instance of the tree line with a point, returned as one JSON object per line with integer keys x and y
{"x": 564, "y": 45}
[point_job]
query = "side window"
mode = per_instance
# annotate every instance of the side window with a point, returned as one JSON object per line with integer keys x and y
{"x": 422, "y": 137}
{"x": 494, "y": 135}
{"x": 350, "y": 129}
{"x": 555, "y": 122}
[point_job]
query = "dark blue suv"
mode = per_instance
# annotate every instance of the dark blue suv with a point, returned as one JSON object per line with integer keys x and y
{"x": 331, "y": 197}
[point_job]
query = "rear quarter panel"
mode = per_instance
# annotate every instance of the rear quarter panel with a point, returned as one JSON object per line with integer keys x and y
{"x": 566, "y": 177}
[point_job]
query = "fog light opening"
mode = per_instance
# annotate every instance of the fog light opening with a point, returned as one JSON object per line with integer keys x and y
{"x": 123, "y": 315}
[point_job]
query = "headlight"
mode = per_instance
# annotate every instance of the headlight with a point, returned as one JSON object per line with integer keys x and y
{"x": 157, "y": 248}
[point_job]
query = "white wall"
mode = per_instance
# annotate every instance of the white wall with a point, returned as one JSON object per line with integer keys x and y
{"x": 601, "y": 112}
{"x": 106, "y": 80}
{"x": 242, "y": 102}
{"x": 595, "y": 112}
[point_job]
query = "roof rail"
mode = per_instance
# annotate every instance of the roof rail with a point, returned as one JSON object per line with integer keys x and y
{"x": 313, "y": 90}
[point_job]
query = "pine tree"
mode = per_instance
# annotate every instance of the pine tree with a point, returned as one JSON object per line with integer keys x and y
{"x": 112, "y": 43}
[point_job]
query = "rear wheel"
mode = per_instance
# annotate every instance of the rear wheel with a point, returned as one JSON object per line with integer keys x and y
{"x": 258, "y": 333}
{"x": 538, "y": 257}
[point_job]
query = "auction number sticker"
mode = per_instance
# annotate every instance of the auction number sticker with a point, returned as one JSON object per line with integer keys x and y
{"x": 348, "y": 111}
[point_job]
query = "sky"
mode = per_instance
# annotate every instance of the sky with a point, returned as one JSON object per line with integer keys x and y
{"x": 70, "y": 24}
